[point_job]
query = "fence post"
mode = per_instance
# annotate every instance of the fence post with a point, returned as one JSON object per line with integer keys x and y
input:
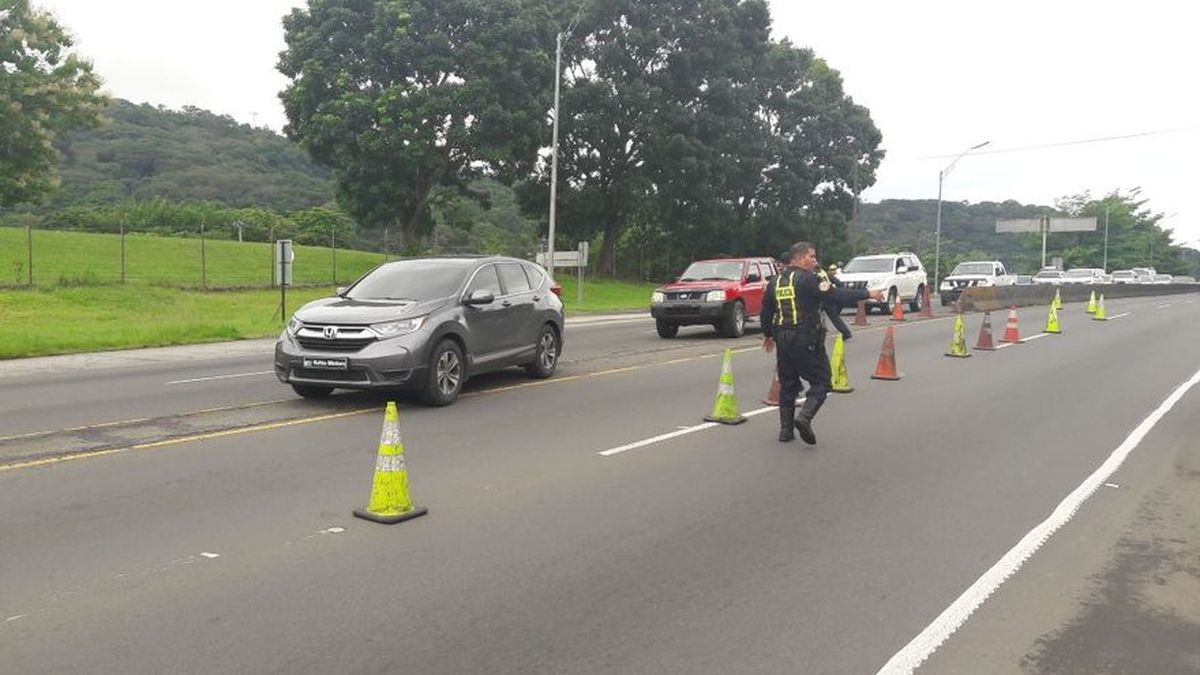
{"x": 122, "y": 251}
{"x": 333, "y": 246}
{"x": 271, "y": 255}
{"x": 385, "y": 244}
{"x": 203, "y": 261}
{"x": 29, "y": 242}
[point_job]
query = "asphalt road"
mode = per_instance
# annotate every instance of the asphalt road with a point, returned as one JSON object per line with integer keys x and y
{"x": 222, "y": 541}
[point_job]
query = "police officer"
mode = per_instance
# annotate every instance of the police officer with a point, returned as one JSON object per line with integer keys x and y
{"x": 791, "y": 317}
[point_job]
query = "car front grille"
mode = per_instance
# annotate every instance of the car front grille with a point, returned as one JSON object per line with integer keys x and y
{"x": 856, "y": 285}
{"x": 343, "y": 338}
{"x": 686, "y": 295}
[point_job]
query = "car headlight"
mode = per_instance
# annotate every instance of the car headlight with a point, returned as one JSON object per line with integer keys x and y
{"x": 876, "y": 283}
{"x": 715, "y": 296}
{"x": 947, "y": 286}
{"x": 983, "y": 282}
{"x": 657, "y": 296}
{"x": 294, "y": 325}
{"x": 393, "y": 329}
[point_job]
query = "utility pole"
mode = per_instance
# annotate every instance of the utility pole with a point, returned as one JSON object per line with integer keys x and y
{"x": 1106, "y": 241}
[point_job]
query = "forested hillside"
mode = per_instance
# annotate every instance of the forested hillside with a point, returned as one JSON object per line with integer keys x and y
{"x": 143, "y": 152}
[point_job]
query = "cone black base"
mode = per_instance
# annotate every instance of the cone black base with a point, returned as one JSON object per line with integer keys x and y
{"x": 736, "y": 420}
{"x": 958, "y": 356}
{"x": 392, "y": 520}
{"x": 847, "y": 390}
{"x": 885, "y": 377}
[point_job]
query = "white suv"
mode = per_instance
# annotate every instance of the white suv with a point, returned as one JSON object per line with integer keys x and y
{"x": 973, "y": 274}
{"x": 900, "y": 276}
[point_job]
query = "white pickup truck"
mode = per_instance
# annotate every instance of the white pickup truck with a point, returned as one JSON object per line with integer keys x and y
{"x": 973, "y": 274}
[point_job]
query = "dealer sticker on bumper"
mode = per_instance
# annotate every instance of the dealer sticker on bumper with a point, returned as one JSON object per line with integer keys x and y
{"x": 326, "y": 364}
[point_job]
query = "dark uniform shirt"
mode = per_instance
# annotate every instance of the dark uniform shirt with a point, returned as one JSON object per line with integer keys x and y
{"x": 793, "y": 300}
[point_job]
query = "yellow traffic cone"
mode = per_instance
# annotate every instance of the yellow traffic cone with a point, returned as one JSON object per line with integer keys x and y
{"x": 1091, "y": 308}
{"x": 390, "y": 502}
{"x": 725, "y": 407}
{"x": 1052, "y": 321}
{"x": 958, "y": 344}
{"x": 1101, "y": 314}
{"x": 837, "y": 364}
{"x": 1057, "y": 304}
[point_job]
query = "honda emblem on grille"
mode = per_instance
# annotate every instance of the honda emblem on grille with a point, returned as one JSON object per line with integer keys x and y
{"x": 330, "y": 332}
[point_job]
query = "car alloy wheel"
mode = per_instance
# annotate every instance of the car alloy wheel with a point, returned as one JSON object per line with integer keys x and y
{"x": 449, "y": 373}
{"x": 548, "y": 351}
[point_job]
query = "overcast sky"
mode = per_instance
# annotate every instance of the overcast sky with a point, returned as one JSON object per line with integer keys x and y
{"x": 937, "y": 76}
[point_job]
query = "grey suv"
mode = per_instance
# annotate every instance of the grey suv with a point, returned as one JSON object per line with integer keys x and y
{"x": 425, "y": 324}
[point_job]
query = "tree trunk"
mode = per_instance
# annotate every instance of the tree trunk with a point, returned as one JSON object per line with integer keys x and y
{"x": 608, "y": 248}
{"x": 412, "y": 227}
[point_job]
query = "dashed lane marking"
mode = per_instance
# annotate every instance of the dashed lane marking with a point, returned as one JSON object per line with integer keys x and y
{"x": 223, "y": 377}
{"x": 682, "y": 431}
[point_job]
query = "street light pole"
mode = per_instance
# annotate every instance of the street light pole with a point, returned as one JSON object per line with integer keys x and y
{"x": 937, "y": 245}
{"x": 1106, "y": 241}
{"x": 554, "y": 154}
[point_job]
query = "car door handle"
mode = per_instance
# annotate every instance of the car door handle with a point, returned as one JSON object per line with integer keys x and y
{"x": 537, "y": 298}
{"x": 506, "y": 303}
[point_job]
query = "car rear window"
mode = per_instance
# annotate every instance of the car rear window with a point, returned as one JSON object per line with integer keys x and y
{"x": 514, "y": 279}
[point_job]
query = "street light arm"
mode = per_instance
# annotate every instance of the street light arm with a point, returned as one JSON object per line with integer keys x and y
{"x": 964, "y": 153}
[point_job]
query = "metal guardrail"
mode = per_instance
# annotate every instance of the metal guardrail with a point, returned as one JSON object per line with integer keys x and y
{"x": 1002, "y": 297}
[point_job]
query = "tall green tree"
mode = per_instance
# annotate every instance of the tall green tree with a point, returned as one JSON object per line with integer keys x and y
{"x": 45, "y": 90}
{"x": 401, "y": 97}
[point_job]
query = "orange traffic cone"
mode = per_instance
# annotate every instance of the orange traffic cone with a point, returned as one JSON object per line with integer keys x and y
{"x": 860, "y": 317}
{"x": 985, "y": 335}
{"x": 773, "y": 393}
{"x": 927, "y": 305}
{"x": 886, "y": 368}
{"x": 1011, "y": 334}
{"x": 897, "y": 310}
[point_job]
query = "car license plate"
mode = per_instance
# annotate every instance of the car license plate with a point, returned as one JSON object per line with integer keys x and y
{"x": 326, "y": 364}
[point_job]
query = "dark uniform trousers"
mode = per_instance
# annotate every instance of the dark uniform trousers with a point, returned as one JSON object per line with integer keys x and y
{"x": 799, "y": 354}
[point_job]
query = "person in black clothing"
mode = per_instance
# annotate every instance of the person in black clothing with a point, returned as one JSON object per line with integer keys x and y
{"x": 833, "y": 309}
{"x": 791, "y": 319}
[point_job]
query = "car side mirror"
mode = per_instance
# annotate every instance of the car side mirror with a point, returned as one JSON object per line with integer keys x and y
{"x": 753, "y": 279}
{"x": 901, "y": 269}
{"x": 341, "y": 291}
{"x": 481, "y": 297}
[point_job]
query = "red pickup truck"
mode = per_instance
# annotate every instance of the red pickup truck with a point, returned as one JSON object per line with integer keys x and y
{"x": 723, "y": 293}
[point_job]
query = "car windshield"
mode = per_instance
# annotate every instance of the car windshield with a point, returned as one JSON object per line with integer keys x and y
{"x": 415, "y": 280}
{"x": 972, "y": 268}
{"x": 1049, "y": 274}
{"x": 1076, "y": 274}
{"x": 713, "y": 271}
{"x": 870, "y": 265}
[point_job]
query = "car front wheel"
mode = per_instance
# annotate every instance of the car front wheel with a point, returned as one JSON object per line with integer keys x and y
{"x": 545, "y": 360}
{"x": 446, "y": 374}
{"x": 666, "y": 329}
{"x": 734, "y": 325}
{"x": 916, "y": 303}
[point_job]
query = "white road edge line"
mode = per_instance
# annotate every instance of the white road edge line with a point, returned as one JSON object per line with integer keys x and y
{"x": 1034, "y": 337}
{"x": 221, "y": 377}
{"x": 676, "y": 434}
{"x": 1117, "y": 316}
{"x": 926, "y": 643}
{"x": 1163, "y": 306}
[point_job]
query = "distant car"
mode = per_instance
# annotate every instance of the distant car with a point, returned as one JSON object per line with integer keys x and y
{"x": 900, "y": 276}
{"x": 724, "y": 293}
{"x": 1162, "y": 279}
{"x": 1084, "y": 275}
{"x": 1144, "y": 275}
{"x": 1124, "y": 277}
{"x": 972, "y": 275}
{"x": 426, "y": 324}
{"x": 1023, "y": 279}
{"x": 1049, "y": 277}
{"x": 1182, "y": 279}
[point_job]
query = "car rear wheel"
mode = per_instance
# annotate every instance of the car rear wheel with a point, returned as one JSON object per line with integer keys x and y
{"x": 545, "y": 360}
{"x": 734, "y": 325}
{"x": 445, "y": 376}
{"x": 311, "y": 391}
{"x": 666, "y": 329}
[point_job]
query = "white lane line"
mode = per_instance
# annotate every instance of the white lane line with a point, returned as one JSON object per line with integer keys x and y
{"x": 222, "y": 377}
{"x": 1163, "y": 306}
{"x": 16, "y": 618}
{"x": 1002, "y": 345}
{"x": 1117, "y": 316}
{"x": 210, "y": 556}
{"x": 676, "y": 434}
{"x": 1034, "y": 337}
{"x": 926, "y": 643}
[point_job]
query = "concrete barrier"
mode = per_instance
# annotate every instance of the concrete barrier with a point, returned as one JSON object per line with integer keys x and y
{"x": 1002, "y": 297}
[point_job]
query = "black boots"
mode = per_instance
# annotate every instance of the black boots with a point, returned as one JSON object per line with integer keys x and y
{"x": 804, "y": 421}
{"x": 787, "y": 417}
